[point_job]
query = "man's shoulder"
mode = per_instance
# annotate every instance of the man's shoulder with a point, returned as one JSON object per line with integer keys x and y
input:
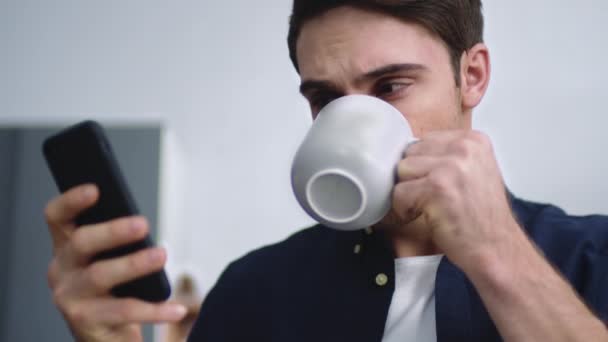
{"x": 548, "y": 223}
{"x": 306, "y": 248}
{"x": 576, "y": 245}
{"x": 261, "y": 284}
{"x": 297, "y": 243}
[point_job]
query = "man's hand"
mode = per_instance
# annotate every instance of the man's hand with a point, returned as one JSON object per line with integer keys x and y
{"x": 81, "y": 288}
{"x": 452, "y": 180}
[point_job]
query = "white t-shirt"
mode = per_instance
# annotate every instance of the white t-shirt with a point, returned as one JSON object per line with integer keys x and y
{"x": 411, "y": 316}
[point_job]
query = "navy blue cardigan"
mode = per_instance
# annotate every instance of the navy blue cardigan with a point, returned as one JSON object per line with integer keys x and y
{"x": 314, "y": 287}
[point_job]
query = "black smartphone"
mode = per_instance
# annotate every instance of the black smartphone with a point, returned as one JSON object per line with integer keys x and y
{"x": 82, "y": 154}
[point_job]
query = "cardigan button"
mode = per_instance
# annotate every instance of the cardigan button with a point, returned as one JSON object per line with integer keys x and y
{"x": 369, "y": 231}
{"x": 357, "y": 249}
{"x": 381, "y": 279}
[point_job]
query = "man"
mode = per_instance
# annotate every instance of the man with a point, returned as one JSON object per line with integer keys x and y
{"x": 457, "y": 259}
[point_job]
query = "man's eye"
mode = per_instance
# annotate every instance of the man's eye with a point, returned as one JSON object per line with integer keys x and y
{"x": 390, "y": 88}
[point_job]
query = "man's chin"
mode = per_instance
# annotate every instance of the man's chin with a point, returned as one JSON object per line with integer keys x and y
{"x": 392, "y": 221}
{"x": 413, "y": 233}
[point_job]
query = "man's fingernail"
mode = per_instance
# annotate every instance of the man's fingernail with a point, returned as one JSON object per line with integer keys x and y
{"x": 156, "y": 255}
{"x": 138, "y": 224}
{"x": 88, "y": 192}
{"x": 178, "y": 311}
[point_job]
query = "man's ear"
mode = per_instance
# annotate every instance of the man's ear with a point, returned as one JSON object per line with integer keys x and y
{"x": 474, "y": 75}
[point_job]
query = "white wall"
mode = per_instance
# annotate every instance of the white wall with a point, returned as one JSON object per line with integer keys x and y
{"x": 217, "y": 75}
{"x": 546, "y": 108}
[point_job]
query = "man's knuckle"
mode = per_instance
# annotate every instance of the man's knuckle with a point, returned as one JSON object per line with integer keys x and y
{"x": 438, "y": 182}
{"x": 75, "y": 312}
{"x": 80, "y": 242}
{"x": 480, "y": 138}
{"x": 96, "y": 277}
{"x": 58, "y": 296}
{"x": 63, "y": 297}
{"x": 464, "y": 147}
{"x": 49, "y": 213}
{"x": 456, "y": 166}
{"x": 477, "y": 135}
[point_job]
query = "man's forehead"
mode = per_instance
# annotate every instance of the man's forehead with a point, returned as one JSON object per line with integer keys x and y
{"x": 350, "y": 41}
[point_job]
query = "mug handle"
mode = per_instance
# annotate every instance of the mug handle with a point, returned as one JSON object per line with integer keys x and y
{"x": 414, "y": 141}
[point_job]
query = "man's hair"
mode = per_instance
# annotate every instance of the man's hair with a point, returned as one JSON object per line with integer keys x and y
{"x": 458, "y": 23}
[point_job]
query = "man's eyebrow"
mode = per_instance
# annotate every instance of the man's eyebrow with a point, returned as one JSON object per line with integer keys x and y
{"x": 310, "y": 85}
{"x": 390, "y": 69}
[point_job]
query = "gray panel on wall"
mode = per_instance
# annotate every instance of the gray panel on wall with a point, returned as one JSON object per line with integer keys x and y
{"x": 28, "y": 300}
{"x": 7, "y": 170}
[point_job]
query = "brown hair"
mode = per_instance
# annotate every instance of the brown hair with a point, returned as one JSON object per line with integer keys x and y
{"x": 459, "y": 23}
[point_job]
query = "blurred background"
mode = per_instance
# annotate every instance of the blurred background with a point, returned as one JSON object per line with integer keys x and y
{"x": 202, "y": 107}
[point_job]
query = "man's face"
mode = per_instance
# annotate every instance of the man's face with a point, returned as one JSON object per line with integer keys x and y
{"x": 352, "y": 51}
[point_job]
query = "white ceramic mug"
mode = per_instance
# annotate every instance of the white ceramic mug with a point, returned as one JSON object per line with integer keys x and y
{"x": 344, "y": 171}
